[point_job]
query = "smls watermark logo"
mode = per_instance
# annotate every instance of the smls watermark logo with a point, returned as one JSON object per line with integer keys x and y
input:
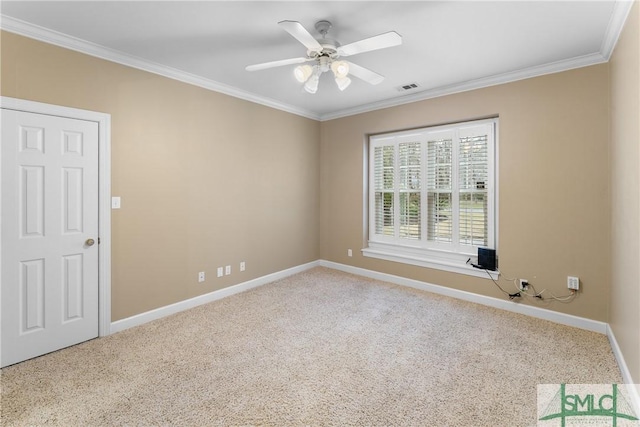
{"x": 586, "y": 405}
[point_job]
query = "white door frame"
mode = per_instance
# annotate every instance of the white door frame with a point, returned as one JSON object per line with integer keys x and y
{"x": 104, "y": 193}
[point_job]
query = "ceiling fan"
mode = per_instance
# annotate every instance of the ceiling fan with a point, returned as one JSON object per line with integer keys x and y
{"x": 325, "y": 53}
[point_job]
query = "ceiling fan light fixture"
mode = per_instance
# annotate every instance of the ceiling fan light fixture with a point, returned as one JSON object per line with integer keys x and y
{"x": 325, "y": 53}
{"x": 340, "y": 69}
{"x": 325, "y": 63}
{"x": 311, "y": 85}
{"x": 302, "y": 73}
{"x": 343, "y": 82}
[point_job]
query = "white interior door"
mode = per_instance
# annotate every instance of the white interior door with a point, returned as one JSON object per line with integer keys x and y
{"x": 49, "y": 291}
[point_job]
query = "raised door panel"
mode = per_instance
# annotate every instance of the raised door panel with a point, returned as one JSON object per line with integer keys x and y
{"x": 31, "y": 304}
{"x": 31, "y": 202}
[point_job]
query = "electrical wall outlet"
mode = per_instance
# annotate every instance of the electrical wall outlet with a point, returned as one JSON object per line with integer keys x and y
{"x": 227, "y": 270}
{"x": 573, "y": 283}
{"x": 349, "y": 252}
{"x": 242, "y": 266}
{"x": 220, "y": 272}
{"x": 524, "y": 284}
{"x": 201, "y": 276}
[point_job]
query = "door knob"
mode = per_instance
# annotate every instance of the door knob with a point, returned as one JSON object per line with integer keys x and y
{"x": 89, "y": 242}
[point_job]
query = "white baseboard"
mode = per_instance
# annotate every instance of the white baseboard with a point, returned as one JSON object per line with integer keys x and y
{"x": 540, "y": 313}
{"x": 158, "y": 313}
{"x": 624, "y": 369}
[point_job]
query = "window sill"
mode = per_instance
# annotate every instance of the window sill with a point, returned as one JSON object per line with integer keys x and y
{"x": 425, "y": 260}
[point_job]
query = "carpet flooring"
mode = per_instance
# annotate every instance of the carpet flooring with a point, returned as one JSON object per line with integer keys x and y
{"x": 321, "y": 348}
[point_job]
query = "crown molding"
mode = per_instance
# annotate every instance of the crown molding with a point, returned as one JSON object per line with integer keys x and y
{"x": 42, "y": 34}
{"x": 616, "y": 24}
{"x": 540, "y": 70}
{"x": 621, "y": 9}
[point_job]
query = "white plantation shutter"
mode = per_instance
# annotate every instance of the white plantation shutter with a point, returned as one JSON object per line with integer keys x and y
{"x": 432, "y": 190}
{"x": 473, "y": 179}
{"x": 439, "y": 187}
{"x": 384, "y": 172}
{"x": 409, "y": 158}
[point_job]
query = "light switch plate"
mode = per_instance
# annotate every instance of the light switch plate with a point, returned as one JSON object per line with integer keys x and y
{"x": 115, "y": 203}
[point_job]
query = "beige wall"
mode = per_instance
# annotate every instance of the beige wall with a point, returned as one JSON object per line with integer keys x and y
{"x": 192, "y": 167}
{"x": 625, "y": 192}
{"x": 206, "y": 180}
{"x": 554, "y": 216}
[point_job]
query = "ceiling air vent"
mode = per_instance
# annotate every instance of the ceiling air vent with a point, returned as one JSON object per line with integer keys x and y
{"x": 407, "y": 87}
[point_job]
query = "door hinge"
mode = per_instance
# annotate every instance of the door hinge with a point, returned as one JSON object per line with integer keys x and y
{"x": 98, "y": 240}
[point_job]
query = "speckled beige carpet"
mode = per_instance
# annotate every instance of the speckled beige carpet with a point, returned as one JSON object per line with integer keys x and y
{"x": 321, "y": 348}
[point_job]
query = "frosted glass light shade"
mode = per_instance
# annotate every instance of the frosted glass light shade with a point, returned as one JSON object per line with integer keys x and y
{"x": 343, "y": 82}
{"x": 302, "y": 73}
{"x": 340, "y": 69}
{"x": 311, "y": 85}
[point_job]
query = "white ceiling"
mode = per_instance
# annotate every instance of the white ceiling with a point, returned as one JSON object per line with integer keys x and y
{"x": 448, "y": 46}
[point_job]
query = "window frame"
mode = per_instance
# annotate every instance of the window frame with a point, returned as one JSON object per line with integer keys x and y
{"x": 423, "y": 252}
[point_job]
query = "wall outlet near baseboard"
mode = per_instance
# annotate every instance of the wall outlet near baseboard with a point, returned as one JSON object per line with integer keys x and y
{"x": 201, "y": 276}
{"x": 524, "y": 284}
{"x": 573, "y": 283}
{"x": 243, "y": 266}
{"x": 220, "y": 272}
{"x": 349, "y": 252}
{"x": 227, "y": 270}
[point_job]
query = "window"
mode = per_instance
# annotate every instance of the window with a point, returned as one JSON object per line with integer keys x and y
{"x": 432, "y": 195}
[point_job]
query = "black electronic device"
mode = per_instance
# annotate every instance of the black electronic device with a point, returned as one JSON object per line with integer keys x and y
{"x": 487, "y": 259}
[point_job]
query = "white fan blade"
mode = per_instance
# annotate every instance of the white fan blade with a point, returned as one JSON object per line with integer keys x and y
{"x": 301, "y": 34}
{"x": 381, "y": 41}
{"x": 364, "y": 74}
{"x": 280, "y": 63}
